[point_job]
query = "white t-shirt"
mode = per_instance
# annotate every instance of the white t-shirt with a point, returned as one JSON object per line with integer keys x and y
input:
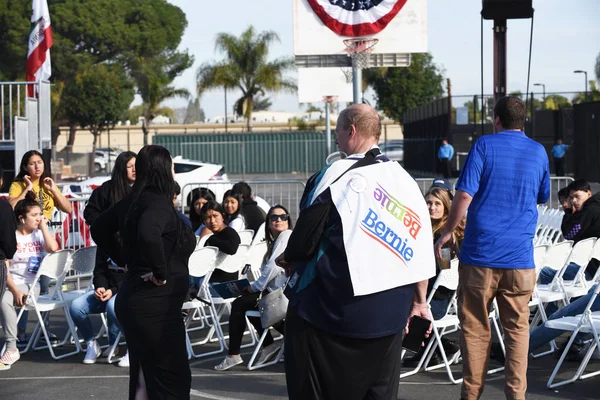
{"x": 31, "y": 249}
{"x": 238, "y": 224}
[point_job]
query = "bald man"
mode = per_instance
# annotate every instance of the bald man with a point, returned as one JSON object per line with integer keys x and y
{"x": 339, "y": 345}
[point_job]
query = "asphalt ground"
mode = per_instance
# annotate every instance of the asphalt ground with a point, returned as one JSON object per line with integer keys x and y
{"x": 37, "y": 376}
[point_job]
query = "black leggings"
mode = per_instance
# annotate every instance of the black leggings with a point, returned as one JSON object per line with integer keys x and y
{"x": 237, "y": 322}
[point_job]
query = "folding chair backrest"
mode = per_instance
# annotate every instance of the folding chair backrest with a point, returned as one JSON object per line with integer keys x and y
{"x": 235, "y": 262}
{"x": 202, "y": 241}
{"x": 596, "y": 250}
{"x": 582, "y": 252}
{"x": 539, "y": 256}
{"x": 202, "y": 261}
{"x": 55, "y": 265}
{"x": 84, "y": 260}
{"x": 246, "y": 236}
{"x": 447, "y": 278}
{"x": 260, "y": 235}
{"x": 558, "y": 254}
{"x": 256, "y": 254}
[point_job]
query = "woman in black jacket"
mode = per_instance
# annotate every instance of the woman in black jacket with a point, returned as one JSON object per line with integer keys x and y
{"x": 223, "y": 237}
{"x": 155, "y": 245}
{"x": 107, "y": 275}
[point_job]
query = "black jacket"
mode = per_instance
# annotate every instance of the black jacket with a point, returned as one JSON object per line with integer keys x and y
{"x": 583, "y": 224}
{"x": 253, "y": 215}
{"x": 8, "y": 227}
{"x": 100, "y": 201}
{"x": 227, "y": 241}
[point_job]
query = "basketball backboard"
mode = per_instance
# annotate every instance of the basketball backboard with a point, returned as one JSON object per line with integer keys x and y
{"x": 314, "y": 83}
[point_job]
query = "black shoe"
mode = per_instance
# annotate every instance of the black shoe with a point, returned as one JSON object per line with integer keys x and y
{"x": 414, "y": 361}
{"x": 575, "y": 354}
{"x": 450, "y": 347}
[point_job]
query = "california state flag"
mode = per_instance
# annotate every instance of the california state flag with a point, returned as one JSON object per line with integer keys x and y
{"x": 40, "y": 41}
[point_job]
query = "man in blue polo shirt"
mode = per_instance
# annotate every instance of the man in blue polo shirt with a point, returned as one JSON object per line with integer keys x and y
{"x": 445, "y": 154}
{"x": 504, "y": 177}
{"x": 558, "y": 153}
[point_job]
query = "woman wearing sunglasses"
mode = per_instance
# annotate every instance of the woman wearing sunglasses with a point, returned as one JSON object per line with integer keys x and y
{"x": 278, "y": 229}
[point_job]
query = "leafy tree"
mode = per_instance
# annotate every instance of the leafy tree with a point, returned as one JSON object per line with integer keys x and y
{"x": 593, "y": 94}
{"x": 261, "y": 104}
{"x": 194, "y": 113}
{"x": 597, "y": 69}
{"x": 153, "y": 79}
{"x": 96, "y": 97}
{"x": 246, "y": 67}
{"x": 311, "y": 108}
{"x": 556, "y": 102}
{"x": 400, "y": 89}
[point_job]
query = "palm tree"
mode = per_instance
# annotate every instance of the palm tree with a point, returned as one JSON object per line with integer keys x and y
{"x": 246, "y": 68}
{"x": 153, "y": 79}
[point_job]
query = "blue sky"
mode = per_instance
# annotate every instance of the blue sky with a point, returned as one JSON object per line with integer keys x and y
{"x": 566, "y": 38}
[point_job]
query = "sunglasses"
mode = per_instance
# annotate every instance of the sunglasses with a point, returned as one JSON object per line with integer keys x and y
{"x": 275, "y": 217}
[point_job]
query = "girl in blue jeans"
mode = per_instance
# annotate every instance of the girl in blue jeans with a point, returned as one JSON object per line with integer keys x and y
{"x": 107, "y": 275}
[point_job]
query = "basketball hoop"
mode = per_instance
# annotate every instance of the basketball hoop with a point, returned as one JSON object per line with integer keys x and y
{"x": 360, "y": 51}
{"x": 347, "y": 74}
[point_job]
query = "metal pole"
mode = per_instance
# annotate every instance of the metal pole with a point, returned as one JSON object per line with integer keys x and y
{"x": 225, "y": 109}
{"x": 356, "y": 85}
{"x": 586, "y": 83}
{"x": 544, "y": 94}
{"x": 328, "y": 127}
{"x": 499, "y": 59}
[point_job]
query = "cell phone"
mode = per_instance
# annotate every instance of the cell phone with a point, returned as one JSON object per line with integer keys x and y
{"x": 416, "y": 333}
{"x": 245, "y": 269}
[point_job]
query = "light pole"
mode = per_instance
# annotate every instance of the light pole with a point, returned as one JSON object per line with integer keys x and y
{"x": 583, "y": 72}
{"x": 544, "y": 93}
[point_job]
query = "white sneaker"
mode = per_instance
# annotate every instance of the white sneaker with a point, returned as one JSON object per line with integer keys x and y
{"x": 92, "y": 353}
{"x": 4, "y": 367}
{"x": 229, "y": 362}
{"x": 124, "y": 362}
{"x": 267, "y": 352}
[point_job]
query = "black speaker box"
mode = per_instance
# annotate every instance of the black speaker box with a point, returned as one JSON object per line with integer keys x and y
{"x": 507, "y": 9}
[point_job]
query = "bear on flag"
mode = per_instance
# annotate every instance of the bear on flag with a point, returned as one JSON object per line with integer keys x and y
{"x": 40, "y": 41}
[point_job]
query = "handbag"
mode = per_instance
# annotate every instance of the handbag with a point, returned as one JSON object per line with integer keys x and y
{"x": 272, "y": 307}
{"x": 306, "y": 236}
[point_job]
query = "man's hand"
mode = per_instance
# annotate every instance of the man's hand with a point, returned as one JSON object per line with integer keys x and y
{"x": 107, "y": 295}
{"x": 441, "y": 242}
{"x": 287, "y": 266}
{"x": 421, "y": 310}
{"x": 19, "y": 298}
{"x": 99, "y": 293}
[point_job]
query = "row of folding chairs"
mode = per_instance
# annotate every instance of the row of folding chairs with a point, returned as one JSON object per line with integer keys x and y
{"x": 548, "y": 226}
{"x": 206, "y": 313}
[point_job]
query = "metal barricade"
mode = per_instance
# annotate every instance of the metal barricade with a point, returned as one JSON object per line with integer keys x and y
{"x": 284, "y": 192}
{"x": 557, "y": 183}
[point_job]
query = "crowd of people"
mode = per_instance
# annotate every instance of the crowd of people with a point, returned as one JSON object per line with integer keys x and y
{"x": 144, "y": 242}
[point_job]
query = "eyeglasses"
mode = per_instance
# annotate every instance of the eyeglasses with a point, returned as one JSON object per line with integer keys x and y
{"x": 275, "y": 217}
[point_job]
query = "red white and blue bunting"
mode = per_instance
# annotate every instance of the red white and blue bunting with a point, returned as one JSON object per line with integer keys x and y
{"x": 356, "y": 18}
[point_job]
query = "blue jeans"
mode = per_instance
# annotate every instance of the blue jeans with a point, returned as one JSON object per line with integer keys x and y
{"x": 438, "y": 308}
{"x": 543, "y": 335}
{"x": 88, "y": 304}
{"x": 547, "y": 274}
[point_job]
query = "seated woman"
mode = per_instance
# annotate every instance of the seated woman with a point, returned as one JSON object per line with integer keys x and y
{"x": 232, "y": 204}
{"x": 199, "y": 197}
{"x": 34, "y": 241}
{"x": 224, "y": 238}
{"x": 278, "y": 229}
{"x": 439, "y": 202}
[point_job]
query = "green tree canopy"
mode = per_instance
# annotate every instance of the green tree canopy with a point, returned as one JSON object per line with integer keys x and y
{"x": 556, "y": 102}
{"x": 97, "y": 97}
{"x": 593, "y": 94}
{"x": 246, "y": 67}
{"x": 399, "y": 89}
{"x": 194, "y": 113}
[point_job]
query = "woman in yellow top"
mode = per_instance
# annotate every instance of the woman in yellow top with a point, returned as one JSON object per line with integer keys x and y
{"x": 32, "y": 175}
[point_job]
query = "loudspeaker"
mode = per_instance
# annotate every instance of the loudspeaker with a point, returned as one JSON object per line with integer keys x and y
{"x": 507, "y": 9}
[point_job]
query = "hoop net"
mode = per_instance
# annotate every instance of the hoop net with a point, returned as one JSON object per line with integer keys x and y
{"x": 360, "y": 50}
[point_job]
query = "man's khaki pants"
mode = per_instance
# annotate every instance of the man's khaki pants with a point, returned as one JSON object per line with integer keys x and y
{"x": 477, "y": 288}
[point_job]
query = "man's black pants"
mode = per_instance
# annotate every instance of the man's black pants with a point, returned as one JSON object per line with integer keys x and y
{"x": 322, "y": 366}
{"x": 559, "y": 166}
{"x": 446, "y": 167}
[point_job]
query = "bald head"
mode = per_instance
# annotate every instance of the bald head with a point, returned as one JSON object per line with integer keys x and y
{"x": 364, "y": 118}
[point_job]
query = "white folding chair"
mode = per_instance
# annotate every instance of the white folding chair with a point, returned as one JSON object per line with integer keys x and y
{"x": 260, "y": 235}
{"x": 246, "y": 236}
{"x": 588, "y": 322}
{"x": 539, "y": 257}
{"x": 595, "y": 255}
{"x": 255, "y": 257}
{"x": 83, "y": 262}
{"x": 251, "y": 365}
{"x": 235, "y": 262}
{"x": 580, "y": 255}
{"x": 54, "y": 266}
{"x": 202, "y": 241}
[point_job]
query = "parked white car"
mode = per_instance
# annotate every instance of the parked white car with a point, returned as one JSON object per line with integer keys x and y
{"x": 188, "y": 173}
{"x": 104, "y": 160}
{"x": 393, "y": 149}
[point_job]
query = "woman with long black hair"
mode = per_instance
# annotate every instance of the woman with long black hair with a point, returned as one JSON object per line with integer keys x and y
{"x": 33, "y": 177}
{"x": 107, "y": 275}
{"x": 155, "y": 245}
